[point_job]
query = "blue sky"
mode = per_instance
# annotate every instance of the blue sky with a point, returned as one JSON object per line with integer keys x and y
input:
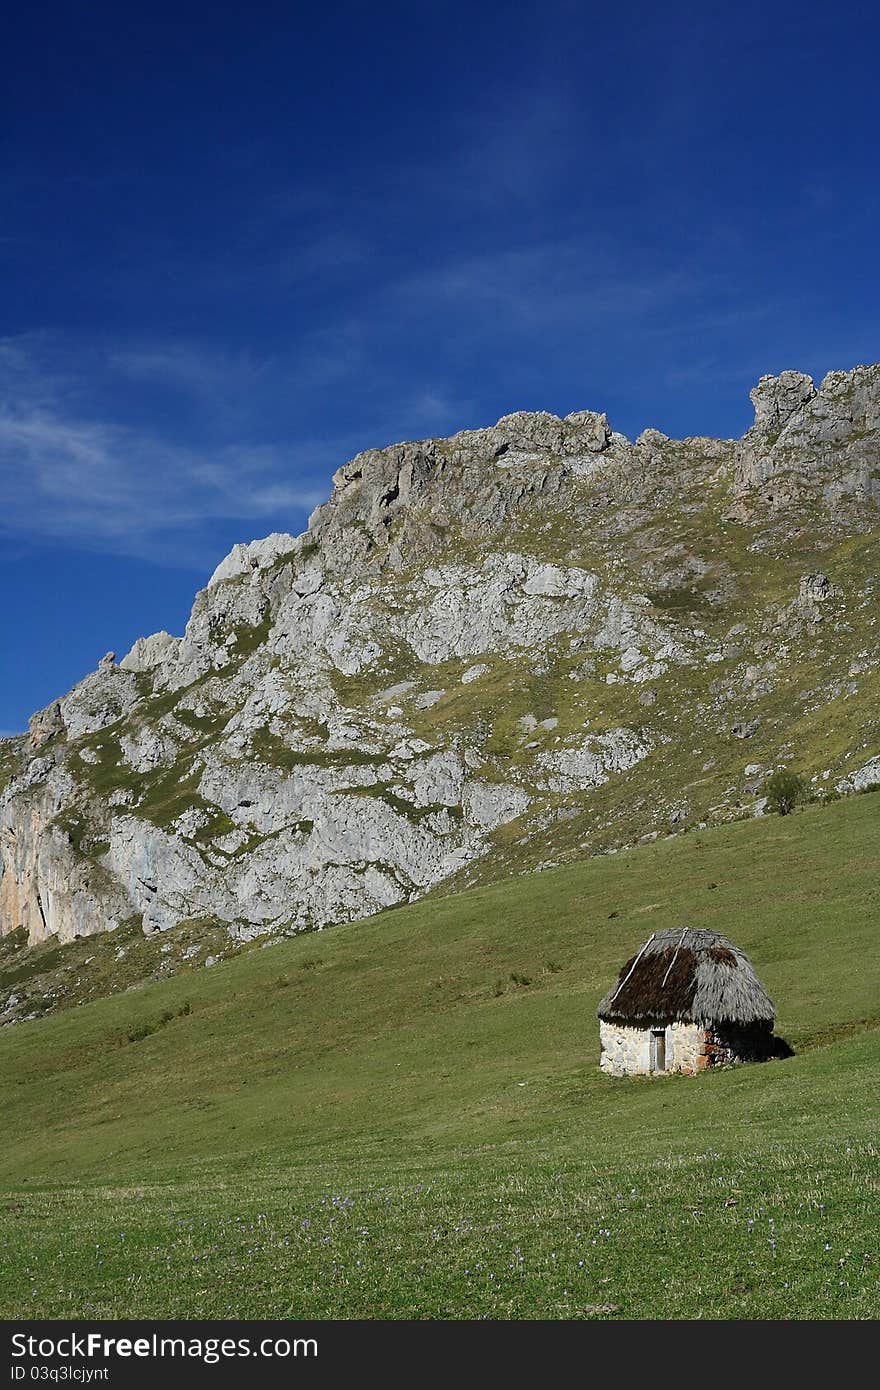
{"x": 240, "y": 243}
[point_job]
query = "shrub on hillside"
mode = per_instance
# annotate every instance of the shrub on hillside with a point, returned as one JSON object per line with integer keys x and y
{"x": 784, "y": 790}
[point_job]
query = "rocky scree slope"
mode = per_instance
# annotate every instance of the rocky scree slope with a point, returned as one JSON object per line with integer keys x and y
{"x": 485, "y": 654}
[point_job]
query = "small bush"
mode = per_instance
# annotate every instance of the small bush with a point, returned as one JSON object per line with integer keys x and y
{"x": 784, "y": 791}
{"x": 825, "y": 795}
{"x": 498, "y": 988}
{"x": 519, "y": 979}
{"x": 146, "y": 1030}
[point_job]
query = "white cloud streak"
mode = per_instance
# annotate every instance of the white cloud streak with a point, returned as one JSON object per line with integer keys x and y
{"x": 62, "y": 478}
{"x": 93, "y": 484}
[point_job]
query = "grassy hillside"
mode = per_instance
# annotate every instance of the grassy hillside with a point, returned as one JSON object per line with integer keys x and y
{"x": 406, "y": 1118}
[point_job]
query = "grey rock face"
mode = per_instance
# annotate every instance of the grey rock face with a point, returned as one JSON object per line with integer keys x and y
{"x": 597, "y": 759}
{"x": 863, "y": 778}
{"x": 777, "y": 398}
{"x": 150, "y": 652}
{"x": 745, "y": 728}
{"x": 652, "y": 439}
{"x": 244, "y": 559}
{"x": 814, "y": 588}
{"x": 103, "y": 697}
{"x": 806, "y": 441}
{"x": 474, "y": 638}
{"x": 44, "y": 725}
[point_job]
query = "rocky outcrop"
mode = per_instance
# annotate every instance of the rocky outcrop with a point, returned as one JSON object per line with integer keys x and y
{"x": 478, "y": 640}
{"x": 44, "y": 725}
{"x": 805, "y": 441}
{"x": 150, "y": 652}
{"x": 863, "y": 779}
{"x": 243, "y": 559}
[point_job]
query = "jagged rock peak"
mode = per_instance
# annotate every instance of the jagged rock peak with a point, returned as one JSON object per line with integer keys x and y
{"x": 244, "y": 557}
{"x": 521, "y": 433}
{"x": 844, "y": 401}
{"x": 149, "y": 652}
{"x": 822, "y": 442}
{"x": 387, "y": 503}
{"x": 776, "y": 398}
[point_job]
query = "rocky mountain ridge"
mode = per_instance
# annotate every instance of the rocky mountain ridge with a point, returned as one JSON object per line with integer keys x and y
{"x": 486, "y": 653}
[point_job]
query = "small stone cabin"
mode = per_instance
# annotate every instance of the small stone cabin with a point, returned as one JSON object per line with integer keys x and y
{"x": 688, "y": 999}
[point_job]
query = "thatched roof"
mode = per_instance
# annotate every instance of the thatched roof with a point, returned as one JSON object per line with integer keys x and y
{"x": 688, "y": 975}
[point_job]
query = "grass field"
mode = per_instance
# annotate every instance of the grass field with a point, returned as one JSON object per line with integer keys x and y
{"x": 405, "y": 1117}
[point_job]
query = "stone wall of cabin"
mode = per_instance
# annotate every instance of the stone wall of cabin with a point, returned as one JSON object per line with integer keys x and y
{"x": 690, "y": 1048}
{"x": 625, "y": 1051}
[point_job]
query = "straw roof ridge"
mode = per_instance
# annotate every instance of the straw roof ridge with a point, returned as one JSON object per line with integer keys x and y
{"x": 691, "y": 975}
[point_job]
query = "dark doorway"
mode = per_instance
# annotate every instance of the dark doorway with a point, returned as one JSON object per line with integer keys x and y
{"x": 658, "y": 1049}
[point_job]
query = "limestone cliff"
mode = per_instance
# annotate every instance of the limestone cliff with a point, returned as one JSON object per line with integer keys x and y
{"x": 485, "y": 653}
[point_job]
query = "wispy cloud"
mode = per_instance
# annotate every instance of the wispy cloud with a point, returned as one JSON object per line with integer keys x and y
{"x": 434, "y": 408}
{"x": 100, "y": 484}
{"x": 142, "y": 448}
{"x": 129, "y": 446}
{"x": 189, "y": 367}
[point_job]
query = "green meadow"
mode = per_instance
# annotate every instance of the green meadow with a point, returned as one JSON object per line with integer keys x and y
{"x": 405, "y": 1118}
